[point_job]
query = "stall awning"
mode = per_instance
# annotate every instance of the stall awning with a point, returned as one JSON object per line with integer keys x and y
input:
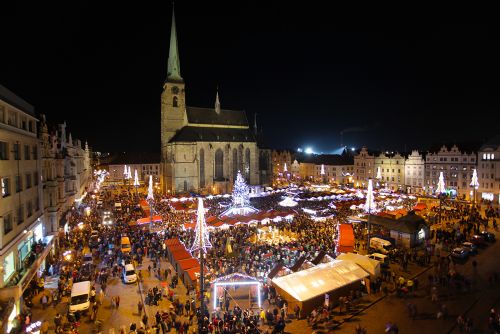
{"x": 146, "y": 220}
{"x": 369, "y": 265}
{"x": 318, "y": 280}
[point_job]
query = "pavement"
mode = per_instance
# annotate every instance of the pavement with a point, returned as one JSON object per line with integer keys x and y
{"x": 127, "y": 313}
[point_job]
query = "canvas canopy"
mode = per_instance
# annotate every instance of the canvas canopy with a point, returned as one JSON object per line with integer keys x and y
{"x": 370, "y": 265}
{"x": 318, "y": 280}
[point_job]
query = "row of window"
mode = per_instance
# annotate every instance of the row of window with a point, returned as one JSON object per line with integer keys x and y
{"x": 32, "y": 206}
{"x": 18, "y": 183}
{"x": 488, "y": 156}
{"x": 485, "y": 185}
{"x": 452, "y": 159}
{"x": 150, "y": 167}
{"x": 29, "y": 152}
{"x": 483, "y": 165}
{"x": 13, "y": 118}
{"x": 485, "y": 176}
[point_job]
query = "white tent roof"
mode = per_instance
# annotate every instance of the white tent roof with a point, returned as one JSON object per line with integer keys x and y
{"x": 318, "y": 280}
{"x": 288, "y": 202}
{"x": 370, "y": 265}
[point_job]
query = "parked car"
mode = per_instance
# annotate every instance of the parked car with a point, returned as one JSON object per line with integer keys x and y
{"x": 87, "y": 258}
{"x": 94, "y": 241}
{"x": 383, "y": 259}
{"x": 478, "y": 240}
{"x": 471, "y": 248}
{"x": 85, "y": 273}
{"x": 460, "y": 253}
{"x": 488, "y": 236}
{"x": 129, "y": 275}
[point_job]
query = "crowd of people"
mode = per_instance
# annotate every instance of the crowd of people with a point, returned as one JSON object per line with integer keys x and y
{"x": 233, "y": 251}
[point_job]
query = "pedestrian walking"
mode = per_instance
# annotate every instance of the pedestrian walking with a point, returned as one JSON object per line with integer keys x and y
{"x": 44, "y": 328}
{"x": 140, "y": 306}
{"x": 44, "y": 301}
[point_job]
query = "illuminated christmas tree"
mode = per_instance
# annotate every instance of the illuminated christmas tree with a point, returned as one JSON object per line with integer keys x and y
{"x": 241, "y": 196}
{"x": 150, "y": 189}
{"x": 201, "y": 240}
{"x": 370, "y": 200}
{"x": 474, "y": 182}
{"x": 441, "y": 188}
{"x": 136, "y": 179}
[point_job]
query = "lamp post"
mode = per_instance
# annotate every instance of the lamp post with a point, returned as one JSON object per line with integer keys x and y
{"x": 441, "y": 191}
{"x": 129, "y": 177}
{"x": 475, "y": 184}
{"x": 379, "y": 175}
{"x": 125, "y": 174}
{"x": 201, "y": 243}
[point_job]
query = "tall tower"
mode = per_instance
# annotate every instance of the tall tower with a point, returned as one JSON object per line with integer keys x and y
{"x": 173, "y": 104}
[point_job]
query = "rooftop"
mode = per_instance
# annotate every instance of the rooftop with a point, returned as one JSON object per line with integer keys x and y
{"x": 198, "y": 115}
{"x": 14, "y": 100}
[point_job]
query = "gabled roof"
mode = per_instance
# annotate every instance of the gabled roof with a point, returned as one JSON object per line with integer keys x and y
{"x": 208, "y": 134}
{"x": 410, "y": 223}
{"x": 492, "y": 143}
{"x": 197, "y": 115}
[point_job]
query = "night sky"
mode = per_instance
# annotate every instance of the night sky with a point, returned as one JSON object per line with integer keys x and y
{"x": 308, "y": 72}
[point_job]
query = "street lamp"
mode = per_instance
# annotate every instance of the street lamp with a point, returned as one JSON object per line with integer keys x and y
{"x": 201, "y": 243}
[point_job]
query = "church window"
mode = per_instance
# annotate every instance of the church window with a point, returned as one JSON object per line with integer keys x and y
{"x": 240, "y": 159}
{"x": 235, "y": 163}
{"x": 202, "y": 168}
{"x": 247, "y": 163}
{"x": 174, "y": 102}
{"x": 185, "y": 185}
{"x": 219, "y": 164}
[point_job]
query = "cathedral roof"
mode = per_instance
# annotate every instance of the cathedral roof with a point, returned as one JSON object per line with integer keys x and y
{"x": 196, "y": 133}
{"x": 209, "y": 116}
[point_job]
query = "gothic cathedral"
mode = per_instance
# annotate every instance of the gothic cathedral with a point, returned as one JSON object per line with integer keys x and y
{"x": 202, "y": 149}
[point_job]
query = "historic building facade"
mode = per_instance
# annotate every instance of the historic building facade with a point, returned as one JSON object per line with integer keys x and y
{"x": 202, "y": 149}
{"x": 457, "y": 167}
{"x": 488, "y": 171}
{"x": 364, "y": 167}
{"x": 414, "y": 173}
{"x": 392, "y": 167}
{"x": 281, "y": 164}
{"x": 42, "y": 176}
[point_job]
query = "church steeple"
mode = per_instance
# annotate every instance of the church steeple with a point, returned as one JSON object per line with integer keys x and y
{"x": 174, "y": 65}
{"x": 217, "y": 103}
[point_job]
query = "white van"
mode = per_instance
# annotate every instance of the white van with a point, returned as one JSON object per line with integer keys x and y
{"x": 80, "y": 293}
{"x": 381, "y": 245}
{"x": 383, "y": 259}
{"x": 129, "y": 275}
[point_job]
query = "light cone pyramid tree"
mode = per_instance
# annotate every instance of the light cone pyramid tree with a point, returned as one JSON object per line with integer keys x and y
{"x": 150, "y": 196}
{"x": 370, "y": 205}
{"x": 201, "y": 239}
{"x": 441, "y": 188}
